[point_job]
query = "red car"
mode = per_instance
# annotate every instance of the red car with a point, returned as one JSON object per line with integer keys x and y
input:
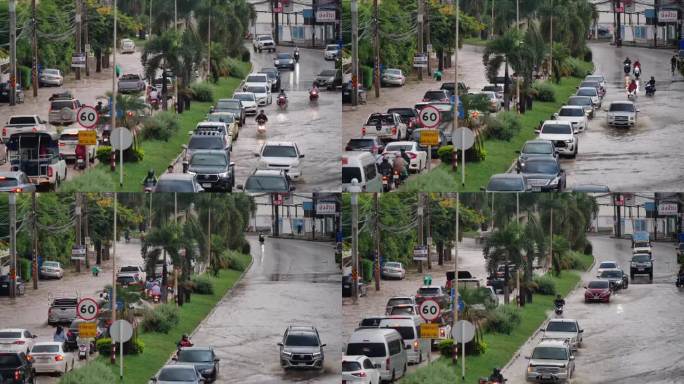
{"x": 597, "y": 290}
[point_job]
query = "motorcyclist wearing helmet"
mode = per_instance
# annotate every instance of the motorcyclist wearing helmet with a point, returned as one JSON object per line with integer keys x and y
{"x": 627, "y": 65}
{"x": 651, "y": 83}
{"x": 385, "y": 168}
{"x": 405, "y": 156}
{"x": 184, "y": 342}
{"x": 261, "y": 117}
{"x": 496, "y": 376}
{"x": 632, "y": 86}
{"x": 282, "y": 93}
{"x": 559, "y": 302}
{"x": 150, "y": 179}
{"x": 261, "y": 238}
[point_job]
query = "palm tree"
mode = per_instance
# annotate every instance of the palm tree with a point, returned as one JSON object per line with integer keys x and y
{"x": 161, "y": 53}
{"x": 167, "y": 240}
{"x": 506, "y": 246}
{"x": 509, "y": 47}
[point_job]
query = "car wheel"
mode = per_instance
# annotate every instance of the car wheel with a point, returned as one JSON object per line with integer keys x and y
{"x": 394, "y": 377}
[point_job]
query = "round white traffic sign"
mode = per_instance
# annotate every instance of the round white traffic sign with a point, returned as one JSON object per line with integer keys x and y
{"x": 462, "y": 138}
{"x": 430, "y": 117}
{"x": 429, "y": 310}
{"x": 463, "y": 331}
{"x": 121, "y": 331}
{"x": 87, "y": 309}
{"x": 87, "y": 117}
{"x": 121, "y": 138}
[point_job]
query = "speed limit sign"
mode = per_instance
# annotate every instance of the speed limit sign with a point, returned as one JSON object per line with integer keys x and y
{"x": 429, "y": 310}
{"x": 87, "y": 117}
{"x": 430, "y": 117}
{"x": 87, "y": 309}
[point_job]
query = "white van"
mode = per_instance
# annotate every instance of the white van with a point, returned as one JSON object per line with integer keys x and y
{"x": 409, "y": 328}
{"x": 384, "y": 347}
{"x": 362, "y": 167}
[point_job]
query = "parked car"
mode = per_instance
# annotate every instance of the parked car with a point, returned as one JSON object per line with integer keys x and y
{"x": 5, "y": 93}
{"x": 16, "y": 340}
{"x": 52, "y": 269}
{"x": 347, "y": 286}
{"x": 393, "y": 76}
{"x": 564, "y": 329}
{"x": 51, "y": 76}
{"x": 551, "y": 361}
{"x": 204, "y": 359}
{"x": 393, "y": 269}
{"x": 301, "y": 347}
{"x": 359, "y": 369}
{"x": 15, "y": 181}
{"x": 5, "y": 285}
{"x": 17, "y": 368}
{"x": 597, "y": 290}
{"x": 347, "y": 94}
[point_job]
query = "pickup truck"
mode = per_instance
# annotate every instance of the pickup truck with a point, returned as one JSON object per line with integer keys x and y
{"x": 23, "y": 123}
{"x": 264, "y": 43}
{"x": 214, "y": 169}
{"x": 131, "y": 83}
{"x": 62, "y": 310}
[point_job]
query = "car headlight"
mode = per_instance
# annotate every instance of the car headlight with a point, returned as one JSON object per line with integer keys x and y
{"x": 530, "y": 369}
{"x": 317, "y": 354}
{"x": 568, "y": 141}
{"x": 224, "y": 175}
{"x": 631, "y": 118}
{"x": 192, "y": 173}
{"x": 285, "y": 353}
{"x": 554, "y": 181}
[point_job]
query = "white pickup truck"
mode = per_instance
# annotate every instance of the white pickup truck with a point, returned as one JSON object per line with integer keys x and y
{"x": 264, "y": 43}
{"x": 23, "y": 123}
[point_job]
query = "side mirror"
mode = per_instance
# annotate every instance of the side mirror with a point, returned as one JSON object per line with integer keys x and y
{"x": 555, "y": 115}
{"x": 216, "y": 360}
{"x": 175, "y": 358}
{"x": 240, "y": 187}
{"x": 301, "y": 156}
{"x": 232, "y": 164}
{"x": 585, "y": 287}
{"x": 537, "y": 131}
{"x": 581, "y": 331}
{"x": 280, "y": 344}
{"x": 256, "y": 154}
{"x": 518, "y": 152}
{"x": 292, "y": 187}
{"x": 637, "y": 109}
{"x": 483, "y": 189}
{"x": 323, "y": 345}
{"x": 153, "y": 379}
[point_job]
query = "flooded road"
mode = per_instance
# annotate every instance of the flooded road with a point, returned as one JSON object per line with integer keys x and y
{"x": 291, "y": 282}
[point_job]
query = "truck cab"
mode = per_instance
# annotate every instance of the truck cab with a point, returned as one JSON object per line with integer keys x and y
{"x": 37, "y": 155}
{"x": 641, "y": 243}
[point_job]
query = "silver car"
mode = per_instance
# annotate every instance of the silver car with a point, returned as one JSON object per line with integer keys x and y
{"x": 131, "y": 83}
{"x": 622, "y": 113}
{"x": 51, "y": 269}
{"x": 51, "y": 76}
{"x": 178, "y": 374}
{"x": 301, "y": 348}
{"x": 551, "y": 361}
{"x": 393, "y": 269}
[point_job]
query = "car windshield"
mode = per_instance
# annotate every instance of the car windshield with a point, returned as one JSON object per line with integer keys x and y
{"x": 195, "y": 356}
{"x": 328, "y": 73}
{"x": 407, "y": 333}
{"x": 69, "y": 137}
{"x": 227, "y": 104}
{"x": 393, "y": 265}
{"x": 51, "y": 71}
{"x": 129, "y": 77}
{"x": 398, "y": 301}
{"x": 262, "y": 38}
{"x": 611, "y": 274}
{"x": 571, "y": 112}
{"x": 178, "y": 374}
{"x": 350, "y": 366}
{"x": 538, "y": 148}
{"x": 393, "y": 71}
{"x": 350, "y": 173}
{"x": 301, "y": 340}
{"x": 60, "y": 104}
{"x": 22, "y": 120}
{"x": 213, "y": 159}
{"x": 595, "y": 78}
{"x": 608, "y": 265}
{"x": 586, "y": 92}
{"x": 279, "y": 151}
{"x": 360, "y": 144}
{"x": 331, "y": 47}
{"x": 53, "y": 264}
{"x": 174, "y": 186}
{"x": 598, "y": 285}
{"x": 9, "y": 360}
{"x": 255, "y": 89}
{"x": 245, "y": 96}
{"x": 45, "y": 348}
{"x": 641, "y": 258}
{"x": 561, "y": 326}
{"x": 403, "y": 112}
{"x": 224, "y": 117}
{"x": 10, "y": 335}
{"x": 582, "y": 101}
{"x": 266, "y": 183}
{"x": 398, "y": 147}
{"x": 621, "y": 107}
{"x": 366, "y": 349}
{"x": 6, "y": 182}
{"x": 129, "y": 269}
{"x": 590, "y": 84}
{"x": 505, "y": 184}
{"x": 434, "y": 95}
{"x": 256, "y": 79}
{"x": 640, "y": 244}
{"x": 556, "y": 129}
{"x": 284, "y": 56}
{"x": 546, "y": 167}
{"x": 403, "y": 310}
{"x": 385, "y": 119}
{"x": 550, "y": 353}
{"x": 493, "y": 88}
{"x": 428, "y": 291}
{"x": 205, "y": 142}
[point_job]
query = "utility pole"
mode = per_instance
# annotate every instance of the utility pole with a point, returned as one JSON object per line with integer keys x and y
{"x": 517, "y": 208}
{"x": 454, "y": 284}
{"x": 149, "y": 33}
{"x": 619, "y": 218}
{"x": 34, "y": 260}
{"x": 78, "y": 38}
{"x": 314, "y": 196}
{"x": 113, "y": 109}
{"x": 429, "y": 42}
{"x": 78, "y": 229}
{"x": 376, "y": 231}
{"x": 429, "y": 230}
{"x": 551, "y": 42}
{"x": 13, "y": 52}
{"x": 355, "y": 52}
{"x": 420, "y": 228}
{"x": 209, "y": 237}
{"x": 175, "y": 26}
{"x": 34, "y": 49}
{"x": 551, "y": 241}
{"x": 355, "y": 245}
{"x": 458, "y": 27}
{"x": 209, "y": 38}
{"x": 114, "y": 239}
{"x": 376, "y": 49}
{"x": 13, "y": 244}
{"x": 86, "y": 236}
{"x": 517, "y": 83}
{"x": 420, "y": 35}
{"x": 491, "y": 32}
{"x": 313, "y": 24}
{"x": 87, "y": 44}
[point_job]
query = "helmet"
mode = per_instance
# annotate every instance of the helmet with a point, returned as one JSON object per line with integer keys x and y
{"x": 558, "y": 296}
{"x": 150, "y": 173}
{"x": 652, "y": 78}
{"x": 185, "y": 336}
{"x": 497, "y": 371}
{"x": 262, "y": 111}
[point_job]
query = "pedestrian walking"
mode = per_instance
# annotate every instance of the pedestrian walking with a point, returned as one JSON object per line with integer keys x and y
{"x": 673, "y": 64}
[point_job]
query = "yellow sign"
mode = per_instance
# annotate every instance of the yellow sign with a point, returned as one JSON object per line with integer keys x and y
{"x": 87, "y": 137}
{"x": 429, "y": 137}
{"x": 87, "y": 330}
{"x": 429, "y": 331}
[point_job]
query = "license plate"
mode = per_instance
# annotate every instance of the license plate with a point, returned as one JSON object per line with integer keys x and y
{"x": 378, "y": 129}
{"x": 640, "y": 269}
{"x": 206, "y": 185}
{"x": 596, "y": 297}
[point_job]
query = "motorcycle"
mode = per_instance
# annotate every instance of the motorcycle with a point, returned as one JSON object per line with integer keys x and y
{"x": 637, "y": 72}
{"x": 83, "y": 351}
{"x": 154, "y": 103}
{"x": 261, "y": 127}
{"x": 385, "y": 184}
{"x": 559, "y": 310}
{"x": 627, "y": 68}
{"x": 313, "y": 95}
{"x": 148, "y": 186}
{"x": 296, "y": 56}
{"x": 631, "y": 95}
{"x": 282, "y": 102}
{"x": 680, "y": 281}
{"x": 396, "y": 179}
{"x": 156, "y": 297}
{"x": 650, "y": 90}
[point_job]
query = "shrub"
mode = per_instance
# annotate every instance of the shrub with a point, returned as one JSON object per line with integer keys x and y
{"x": 366, "y": 76}
{"x": 160, "y": 126}
{"x": 202, "y": 285}
{"x": 161, "y": 319}
{"x": 95, "y": 372}
{"x": 588, "y": 56}
{"x": 575, "y": 260}
{"x": 24, "y": 74}
{"x": 236, "y": 69}
{"x": 103, "y": 154}
{"x": 366, "y": 270}
{"x": 202, "y": 92}
{"x": 446, "y": 347}
{"x": 588, "y": 248}
{"x": 444, "y": 153}
{"x": 134, "y": 154}
{"x": 235, "y": 261}
{"x": 104, "y": 346}
{"x": 545, "y": 285}
{"x": 134, "y": 346}
{"x": 503, "y": 319}
{"x": 245, "y": 55}
{"x": 504, "y": 126}
{"x": 246, "y": 248}
{"x": 545, "y": 92}
{"x": 24, "y": 268}
{"x": 579, "y": 68}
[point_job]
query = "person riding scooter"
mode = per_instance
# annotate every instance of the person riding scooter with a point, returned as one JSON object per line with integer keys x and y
{"x": 399, "y": 166}
{"x": 261, "y": 118}
{"x": 650, "y": 87}
{"x": 559, "y": 302}
{"x": 296, "y": 54}
{"x": 150, "y": 181}
{"x": 637, "y": 68}
{"x": 80, "y": 153}
{"x": 496, "y": 376}
{"x": 261, "y": 238}
{"x": 632, "y": 88}
{"x": 313, "y": 92}
{"x": 184, "y": 342}
{"x": 627, "y": 66}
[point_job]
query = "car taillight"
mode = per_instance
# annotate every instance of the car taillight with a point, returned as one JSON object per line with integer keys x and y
{"x": 387, "y": 364}
{"x": 412, "y": 155}
{"x": 59, "y": 358}
{"x": 416, "y": 345}
{"x": 394, "y": 130}
{"x": 363, "y": 131}
{"x": 61, "y": 144}
{"x": 442, "y": 333}
{"x": 345, "y": 161}
{"x": 17, "y": 375}
{"x": 4, "y": 131}
{"x": 20, "y": 342}
{"x": 426, "y": 99}
{"x": 49, "y": 171}
{"x": 359, "y": 374}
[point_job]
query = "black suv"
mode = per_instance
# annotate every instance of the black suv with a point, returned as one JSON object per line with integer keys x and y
{"x": 214, "y": 169}
{"x": 15, "y": 368}
{"x": 642, "y": 264}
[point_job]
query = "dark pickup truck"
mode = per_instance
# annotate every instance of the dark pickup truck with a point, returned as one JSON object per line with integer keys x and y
{"x": 498, "y": 278}
{"x": 15, "y": 368}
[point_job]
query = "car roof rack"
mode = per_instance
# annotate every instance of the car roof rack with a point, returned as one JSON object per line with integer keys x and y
{"x": 209, "y": 131}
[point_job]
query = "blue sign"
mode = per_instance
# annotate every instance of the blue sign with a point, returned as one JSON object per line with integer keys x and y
{"x": 461, "y": 305}
{"x": 338, "y": 237}
{"x": 307, "y": 205}
{"x": 461, "y": 111}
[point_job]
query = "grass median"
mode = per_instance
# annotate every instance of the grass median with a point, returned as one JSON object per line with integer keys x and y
{"x": 500, "y": 347}
{"x": 160, "y": 346}
{"x": 158, "y": 154}
{"x": 500, "y": 154}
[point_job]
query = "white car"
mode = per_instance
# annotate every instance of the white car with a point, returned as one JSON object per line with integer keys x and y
{"x": 575, "y": 115}
{"x": 418, "y": 157}
{"x": 127, "y": 46}
{"x": 51, "y": 357}
{"x": 331, "y": 52}
{"x": 568, "y": 329}
{"x": 256, "y": 79}
{"x": 16, "y": 340}
{"x": 132, "y": 270}
{"x": 262, "y": 94}
{"x": 284, "y": 155}
{"x": 386, "y": 126}
{"x": 562, "y": 135}
{"x": 51, "y": 76}
{"x": 606, "y": 265}
{"x": 591, "y": 92}
{"x": 68, "y": 141}
{"x": 249, "y": 102}
{"x": 264, "y": 43}
{"x": 622, "y": 113}
{"x": 51, "y": 269}
{"x": 393, "y": 269}
{"x": 393, "y": 76}
{"x": 359, "y": 370}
